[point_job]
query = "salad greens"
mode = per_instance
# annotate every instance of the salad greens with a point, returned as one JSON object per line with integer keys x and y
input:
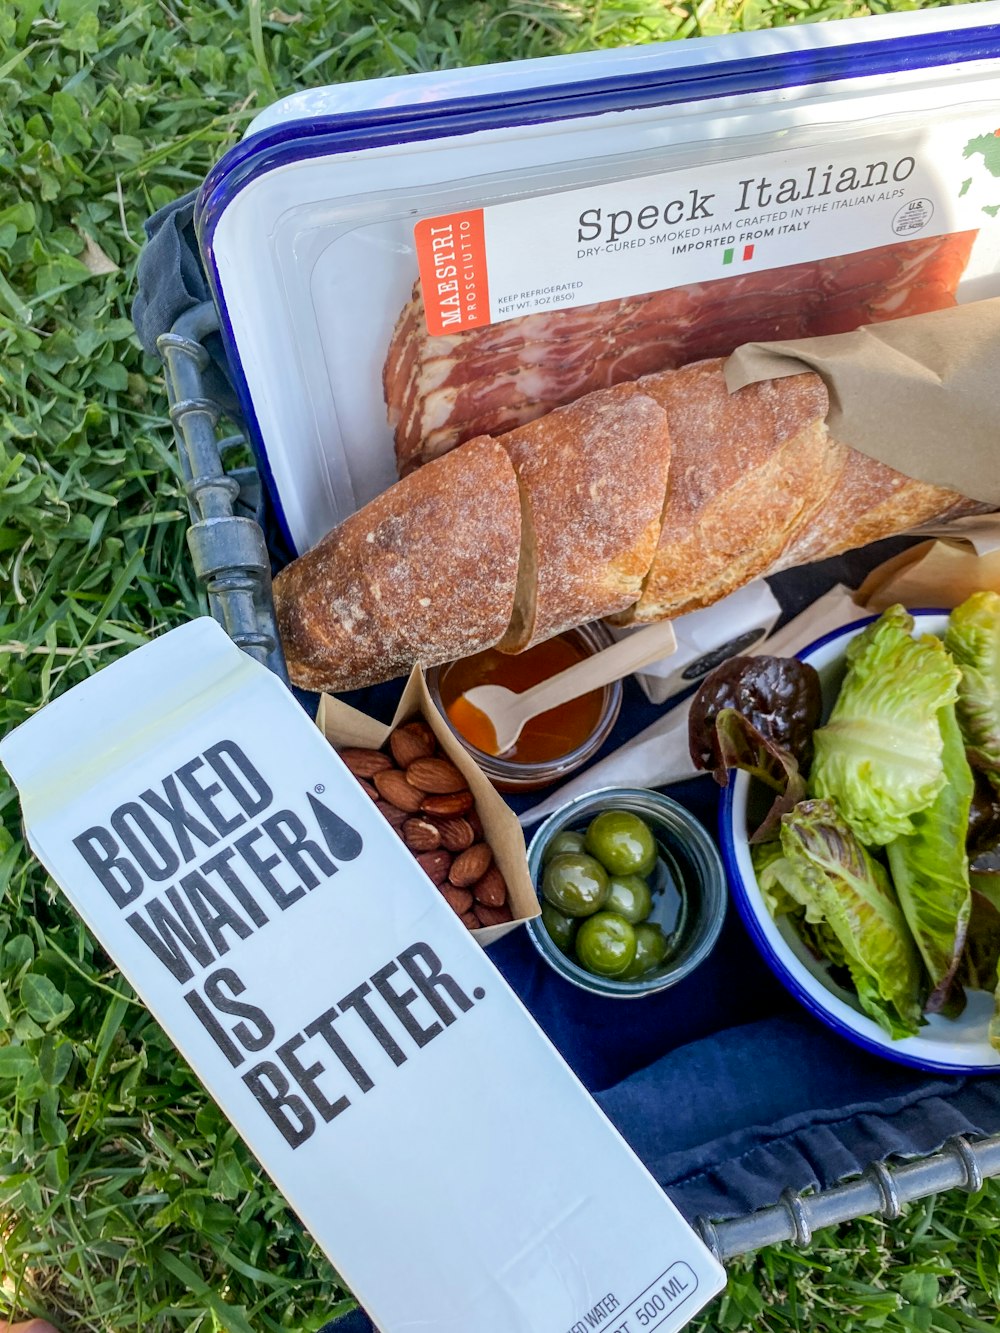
{"x": 880, "y": 754}
{"x": 973, "y": 640}
{"x": 881, "y": 864}
{"x": 980, "y": 966}
{"x": 741, "y": 745}
{"x": 760, "y": 714}
{"x": 778, "y": 699}
{"x": 981, "y": 959}
{"x": 773, "y": 872}
{"x": 930, "y": 869}
{"x": 826, "y": 870}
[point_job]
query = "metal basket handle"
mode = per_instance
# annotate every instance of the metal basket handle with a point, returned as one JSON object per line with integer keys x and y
{"x": 228, "y": 551}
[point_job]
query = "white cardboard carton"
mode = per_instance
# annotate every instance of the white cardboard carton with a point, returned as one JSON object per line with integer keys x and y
{"x": 363, "y": 1045}
{"x": 707, "y": 637}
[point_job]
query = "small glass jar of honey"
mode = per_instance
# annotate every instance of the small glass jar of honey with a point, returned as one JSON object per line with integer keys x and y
{"x": 551, "y": 745}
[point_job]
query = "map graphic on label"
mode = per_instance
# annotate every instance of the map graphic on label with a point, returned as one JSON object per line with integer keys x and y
{"x": 616, "y": 240}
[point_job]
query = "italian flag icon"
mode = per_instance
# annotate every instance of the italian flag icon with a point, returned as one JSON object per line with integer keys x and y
{"x": 729, "y": 255}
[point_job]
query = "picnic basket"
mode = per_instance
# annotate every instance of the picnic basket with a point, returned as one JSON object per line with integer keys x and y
{"x": 230, "y": 558}
{"x": 860, "y": 1137}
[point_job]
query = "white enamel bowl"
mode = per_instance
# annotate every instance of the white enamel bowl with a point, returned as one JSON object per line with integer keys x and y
{"x": 946, "y": 1046}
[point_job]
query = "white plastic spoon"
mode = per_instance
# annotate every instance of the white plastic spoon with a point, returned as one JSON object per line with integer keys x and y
{"x": 507, "y": 712}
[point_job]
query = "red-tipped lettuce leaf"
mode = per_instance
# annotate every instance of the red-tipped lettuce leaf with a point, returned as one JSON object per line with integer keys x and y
{"x": 741, "y": 745}
{"x": 840, "y": 884}
{"x": 778, "y": 696}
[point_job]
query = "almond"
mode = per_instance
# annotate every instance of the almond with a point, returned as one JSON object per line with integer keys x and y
{"x": 460, "y": 900}
{"x": 392, "y": 813}
{"x": 365, "y": 763}
{"x": 477, "y": 824}
{"x": 470, "y": 920}
{"x": 368, "y": 789}
{"x": 456, "y": 834}
{"x": 393, "y": 787}
{"x": 435, "y": 775}
{"x": 470, "y": 865}
{"x": 492, "y": 916}
{"x": 414, "y": 741}
{"x": 453, "y": 803}
{"x": 491, "y": 890}
{"x": 420, "y": 835}
{"x": 435, "y": 865}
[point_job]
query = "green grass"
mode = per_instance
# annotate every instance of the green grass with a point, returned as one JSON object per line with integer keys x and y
{"x": 126, "y": 1201}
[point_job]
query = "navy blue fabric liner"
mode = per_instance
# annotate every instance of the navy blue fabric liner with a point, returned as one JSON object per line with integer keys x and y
{"x": 725, "y": 1088}
{"x": 171, "y": 281}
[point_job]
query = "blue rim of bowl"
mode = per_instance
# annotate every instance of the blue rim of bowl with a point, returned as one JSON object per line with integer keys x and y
{"x": 609, "y": 987}
{"x": 741, "y": 898}
{"x": 854, "y": 626}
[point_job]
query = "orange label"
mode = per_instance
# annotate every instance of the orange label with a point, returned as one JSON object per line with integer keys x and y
{"x": 451, "y": 253}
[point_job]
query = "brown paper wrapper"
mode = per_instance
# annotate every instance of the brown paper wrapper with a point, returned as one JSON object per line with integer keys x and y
{"x": 938, "y": 573}
{"x": 343, "y": 725}
{"x": 920, "y": 394}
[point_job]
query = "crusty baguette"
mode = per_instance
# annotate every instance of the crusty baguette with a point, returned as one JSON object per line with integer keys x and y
{"x": 593, "y": 477}
{"x": 865, "y": 502}
{"x": 425, "y": 572}
{"x": 748, "y": 470}
{"x": 636, "y": 503}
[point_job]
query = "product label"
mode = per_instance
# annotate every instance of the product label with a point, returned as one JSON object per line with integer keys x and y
{"x": 652, "y": 233}
{"x": 453, "y": 270}
{"x": 353, "y": 1032}
{"x": 208, "y": 859}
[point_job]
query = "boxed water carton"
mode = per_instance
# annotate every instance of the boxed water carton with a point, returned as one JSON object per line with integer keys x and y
{"x": 345, "y": 1020}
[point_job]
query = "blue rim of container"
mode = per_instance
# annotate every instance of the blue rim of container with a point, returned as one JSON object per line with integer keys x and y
{"x": 774, "y": 962}
{"x": 359, "y": 131}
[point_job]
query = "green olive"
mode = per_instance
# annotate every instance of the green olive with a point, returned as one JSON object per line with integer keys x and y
{"x": 650, "y": 950}
{"x": 629, "y": 896}
{"x": 561, "y": 929}
{"x": 622, "y": 842}
{"x": 605, "y": 944}
{"x": 575, "y": 884}
{"x": 565, "y": 841}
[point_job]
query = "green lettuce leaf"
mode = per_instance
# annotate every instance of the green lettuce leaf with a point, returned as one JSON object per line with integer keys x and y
{"x": 980, "y": 966}
{"x": 851, "y": 893}
{"x": 981, "y": 958}
{"x": 820, "y": 940}
{"x": 772, "y": 870}
{"x": 930, "y": 868}
{"x": 880, "y": 755}
{"x": 973, "y": 639}
{"x": 784, "y": 895}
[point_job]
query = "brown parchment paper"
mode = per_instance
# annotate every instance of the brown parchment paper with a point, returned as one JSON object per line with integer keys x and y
{"x": 939, "y": 573}
{"x": 921, "y": 394}
{"x": 343, "y": 725}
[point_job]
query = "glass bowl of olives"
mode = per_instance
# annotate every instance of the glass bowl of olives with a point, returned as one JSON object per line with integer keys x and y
{"x": 632, "y": 890}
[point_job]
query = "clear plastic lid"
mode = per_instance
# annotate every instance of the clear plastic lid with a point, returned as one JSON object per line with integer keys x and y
{"x": 604, "y": 215}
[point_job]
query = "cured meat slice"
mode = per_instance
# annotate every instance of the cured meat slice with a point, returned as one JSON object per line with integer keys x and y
{"x": 442, "y": 390}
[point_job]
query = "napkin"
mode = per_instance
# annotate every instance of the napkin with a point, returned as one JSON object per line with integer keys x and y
{"x": 939, "y": 573}
{"x": 707, "y": 637}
